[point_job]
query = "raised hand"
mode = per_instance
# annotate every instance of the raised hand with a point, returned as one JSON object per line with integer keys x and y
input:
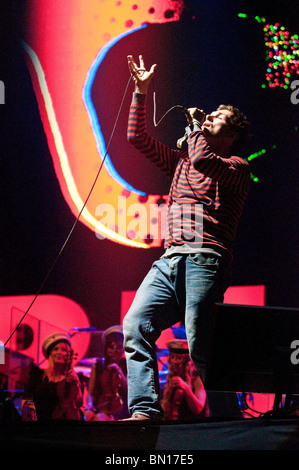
{"x": 141, "y": 76}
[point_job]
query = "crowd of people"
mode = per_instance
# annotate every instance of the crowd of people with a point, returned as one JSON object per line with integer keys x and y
{"x": 57, "y": 392}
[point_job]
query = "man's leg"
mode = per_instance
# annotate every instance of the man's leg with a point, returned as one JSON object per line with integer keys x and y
{"x": 154, "y": 309}
{"x": 207, "y": 278}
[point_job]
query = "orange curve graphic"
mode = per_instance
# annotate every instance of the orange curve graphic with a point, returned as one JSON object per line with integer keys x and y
{"x": 64, "y": 45}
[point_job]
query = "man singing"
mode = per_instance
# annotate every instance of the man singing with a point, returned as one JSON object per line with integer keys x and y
{"x": 208, "y": 190}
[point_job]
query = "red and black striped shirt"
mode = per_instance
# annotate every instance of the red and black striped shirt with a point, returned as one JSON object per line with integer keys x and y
{"x": 205, "y": 187}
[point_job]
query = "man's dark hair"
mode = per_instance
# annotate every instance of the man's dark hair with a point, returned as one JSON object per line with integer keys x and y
{"x": 238, "y": 123}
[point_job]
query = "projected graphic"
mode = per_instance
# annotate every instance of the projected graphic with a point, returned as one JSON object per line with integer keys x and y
{"x": 282, "y": 53}
{"x": 282, "y": 56}
{"x": 65, "y": 46}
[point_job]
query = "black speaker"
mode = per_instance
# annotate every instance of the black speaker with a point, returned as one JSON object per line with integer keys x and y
{"x": 254, "y": 350}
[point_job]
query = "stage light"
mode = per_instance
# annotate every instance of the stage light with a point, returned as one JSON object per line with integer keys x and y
{"x": 281, "y": 55}
{"x": 256, "y": 154}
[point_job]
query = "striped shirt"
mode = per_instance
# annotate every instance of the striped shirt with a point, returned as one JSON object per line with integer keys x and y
{"x": 207, "y": 192}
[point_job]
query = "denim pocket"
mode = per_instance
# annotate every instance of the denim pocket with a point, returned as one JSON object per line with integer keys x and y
{"x": 204, "y": 259}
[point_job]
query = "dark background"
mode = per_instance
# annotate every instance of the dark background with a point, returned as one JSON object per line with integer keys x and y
{"x": 209, "y": 57}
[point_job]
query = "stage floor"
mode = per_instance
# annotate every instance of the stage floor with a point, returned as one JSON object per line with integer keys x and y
{"x": 134, "y": 437}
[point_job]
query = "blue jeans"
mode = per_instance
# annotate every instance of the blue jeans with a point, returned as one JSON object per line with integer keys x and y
{"x": 181, "y": 288}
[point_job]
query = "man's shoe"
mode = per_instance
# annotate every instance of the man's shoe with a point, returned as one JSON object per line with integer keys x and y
{"x": 137, "y": 417}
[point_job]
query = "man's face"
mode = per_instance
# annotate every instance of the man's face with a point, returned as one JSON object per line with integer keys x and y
{"x": 216, "y": 124}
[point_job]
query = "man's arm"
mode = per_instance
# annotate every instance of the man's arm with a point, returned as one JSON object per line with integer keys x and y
{"x": 161, "y": 155}
{"x": 233, "y": 171}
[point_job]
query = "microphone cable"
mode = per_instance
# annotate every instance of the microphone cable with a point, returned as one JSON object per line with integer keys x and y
{"x": 88, "y": 196}
{"x": 177, "y": 106}
{"x": 77, "y": 218}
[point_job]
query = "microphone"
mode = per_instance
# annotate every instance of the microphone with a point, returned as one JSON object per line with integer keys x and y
{"x": 186, "y": 112}
{"x": 87, "y": 329}
{"x": 189, "y": 120}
